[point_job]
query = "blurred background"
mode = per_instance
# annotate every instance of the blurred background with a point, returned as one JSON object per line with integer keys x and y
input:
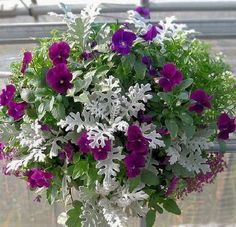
{"x": 20, "y": 20}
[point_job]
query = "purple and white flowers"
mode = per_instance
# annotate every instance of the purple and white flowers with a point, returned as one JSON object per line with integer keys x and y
{"x": 59, "y": 52}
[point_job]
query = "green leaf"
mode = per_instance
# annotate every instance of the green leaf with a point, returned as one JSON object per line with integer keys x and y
{"x": 181, "y": 171}
{"x": 28, "y": 95}
{"x": 74, "y": 219}
{"x": 172, "y": 127}
{"x": 58, "y": 112}
{"x": 186, "y": 118}
{"x": 183, "y": 96}
{"x": 150, "y": 218}
{"x": 140, "y": 70}
{"x": 80, "y": 169}
{"x": 134, "y": 183}
{"x": 222, "y": 145}
{"x": 149, "y": 178}
{"x": 83, "y": 98}
{"x": 171, "y": 206}
{"x": 166, "y": 97}
{"x": 186, "y": 83}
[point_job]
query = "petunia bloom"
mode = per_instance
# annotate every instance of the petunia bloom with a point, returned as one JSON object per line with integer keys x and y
{"x": 136, "y": 142}
{"x": 122, "y": 41}
{"x": 172, "y": 186}
{"x": 200, "y": 101}
{"x": 226, "y": 125}
{"x": 59, "y": 52}
{"x": 143, "y": 11}
{"x": 67, "y": 153}
{"x": 144, "y": 118}
{"x": 26, "y": 60}
{"x": 134, "y": 163}
{"x": 38, "y": 178}
{"x": 148, "y": 62}
{"x": 170, "y": 77}
{"x": 86, "y": 55}
{"x": 16, "y": 110}
{"x": 59, "y": 78}
{"x": 151, "y": 33}
{"x": 100, "y": 153}
{"x": 7, "y": 94}
{"x": 83, "y": 143}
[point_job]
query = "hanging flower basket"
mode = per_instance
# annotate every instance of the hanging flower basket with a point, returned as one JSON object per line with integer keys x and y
{"x": 116, "y": 120}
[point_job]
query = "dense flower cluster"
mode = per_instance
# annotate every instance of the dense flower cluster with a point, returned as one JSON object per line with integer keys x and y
{"x": 125, "y": 115}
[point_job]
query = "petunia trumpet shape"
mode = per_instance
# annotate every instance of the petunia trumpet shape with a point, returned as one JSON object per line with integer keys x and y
{"x": 226, "y": 125}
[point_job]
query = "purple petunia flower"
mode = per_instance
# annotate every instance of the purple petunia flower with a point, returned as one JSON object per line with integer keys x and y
{"x": 83, "y": 143}
{"x": 44, "y": 127}
{"x": 144, "y": 118}
{"x": 67, "y": 153}
{"x": 59, "y": 52}
{"x": 86, "y": 55}
{"x": 136, "y": 143}
{"x": 7, "y": 94}
{"x": 172, "y": 186}
{"x": 143, "y": 11}
{"x": 26, "y": 60}
{"x": 59, "y": 78}
{"x": 93, "y": 44}
{"x": 100, "y": 153}
{"x": 163, "y": 131}
{"x": 38, "y": 178}
{"x": 122, "y": 41}
{"x": 226, "y": 125}
{"x": 151, "y": 33}
{"x": 16, "y": 110}
{"x": 201, "y": 101}
{"x": 2, "y": 155}
{"x": 134, "y": 163}
{"x": 146, "y": 61}
{"x": 170, "y": 77}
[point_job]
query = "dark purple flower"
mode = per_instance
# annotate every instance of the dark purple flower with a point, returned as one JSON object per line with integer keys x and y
{"x": 163, "y": 131}
{"x": 16, "y": 110}
{"x": 59, "y": 52}
{"x": 59, "y": 78}
{"x": 100, "y": 153}
{"x": 151, "y": 33}
{"x": 136, "y": 142}
{"x": 44, "y": 127}
{"x": 83, "y": 143}
{"x": 38, "y": 178}
{"x": 152, "y": 71}
{"x": 86, "y": 55}
{"x": 144, "y": 118}
{"x": 122, "y": 41}
{"x": 134, "y": 163}
{"x": 93, "y": 44}
{"x": 172, "y": 186}
{"x": 170, "y": 77}
{"x": 26, "y": 60}
{"x": 143, "y": 11}
{"x": 201, "y": 101}
{"x": 226, "y": 125}
{"x": 7, "y": 94}
{"x": 67, "y": 153}
{"x": 146, "y": 61}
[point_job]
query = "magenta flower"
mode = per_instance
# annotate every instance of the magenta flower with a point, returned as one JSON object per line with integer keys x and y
{"x": 59, "y": 52}
{"x": 170, "y": 77}
{"x": 200, "y": 101}
{"x": 44, "y": 127}
{"x": 38, "y": 178}
{"x": 67, "y": 153}
{"x": 122, "y": 41}
{"x": 163, "y": 131}
{"x": 86, "y": 55}
{"x": 173, "y": 185}
{"x": 26, "y": 60}
{"x": 7, "y": 94}
{"x": 83, "y": 143}
{"x": 134, "y": 163}
{"x": 136, "y": 143}
{"x": 59, "y": 78}
{"x": 16, "y": 110}
{"x": 100, "y": 153}
{"x": 143, "y": 11}
{"x": 2, "y": 154}
{"x": 151, "y": 33}
{"x": 226, "y": 125}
